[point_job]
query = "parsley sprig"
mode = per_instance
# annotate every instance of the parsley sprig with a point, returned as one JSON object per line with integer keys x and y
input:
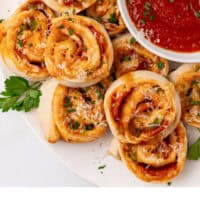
{"x": 194, "y": 151}
{"x": 20, "y": 95}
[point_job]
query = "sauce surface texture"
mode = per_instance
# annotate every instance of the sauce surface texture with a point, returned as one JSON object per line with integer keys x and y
{"x": 171, "y": 24}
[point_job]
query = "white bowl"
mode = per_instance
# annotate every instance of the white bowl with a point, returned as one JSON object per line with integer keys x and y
{"x": 190, "y": 57}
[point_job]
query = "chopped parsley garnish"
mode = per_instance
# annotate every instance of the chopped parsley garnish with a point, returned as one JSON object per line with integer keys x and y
{"x": 71, "y": 31}
{"x": 99, "y": 94}
{"x": 169, "y": 183}
{"x": 157, "y": 122}
{"x": 20, "y": 43}
{"x": 113, "y": 18}
{"x": 160, "y": 65}
{"x": 68, "y": 102}
{"x": 89, "y": 127}
{"x": 33, "y": 25}
{"x": 101, "y": 167}
{"x": 126, "y": 58}
{"x": 132, "y": 41}
{"x": 99, "y": 19}
{"x": 197, "y": 14}
{"x": 72, "y": 110}
{"x": 100, "y": 85}
{"x": 61, "y": 26}
{"x": 195, "y": 103}
{"x": 75, "y": 125}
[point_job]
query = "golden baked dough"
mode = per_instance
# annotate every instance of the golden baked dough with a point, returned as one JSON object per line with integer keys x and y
{"x": 129, "y": 56}
{"x": 142, "y": 106}
{"x": 2, "y": 30}
{"x": 23, "y": 46}
{"x": 160, "y": 162}
{"x": 79, "y": 52}
{"x": 107, "y": 13}
{"x": 187, "y": 81}
{"x": 75, "y": 115}
{"x": 69, "y": 6}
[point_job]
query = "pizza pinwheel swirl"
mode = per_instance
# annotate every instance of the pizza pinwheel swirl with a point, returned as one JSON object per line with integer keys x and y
{"x": 160, "y": 162}
{"x": 75, "y": 115}
{"x": 129, "y": 56}
{"x": 107, "y": 13}
{"x": 79, "y": 52}
{"x": 25, "y": 41}
{"x": 69, "y": 6}
{"x": 187, "y": 81}
{"x": 142, "y": 106}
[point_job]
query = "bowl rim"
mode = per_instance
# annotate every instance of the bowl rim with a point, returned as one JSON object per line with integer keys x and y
{"x": 186, "y": 57}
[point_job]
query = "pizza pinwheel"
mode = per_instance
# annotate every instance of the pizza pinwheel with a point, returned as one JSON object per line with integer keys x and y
{"x": 79, "y": 52}
{"x": 142, "y": 106}
{"x": 187, "y": 81}
{"x": 129, "y": 56}
{"x": 107, "y": 13}
{"x": 160, "y": 162}
{"x": 75, "y": 115}
{"x": 23, "y": 46}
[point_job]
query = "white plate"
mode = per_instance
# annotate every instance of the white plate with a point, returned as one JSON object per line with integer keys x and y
{"x": 84, "y": 159}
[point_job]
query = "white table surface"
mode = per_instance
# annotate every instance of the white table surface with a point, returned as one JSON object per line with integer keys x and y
{"x": 25, "y": 161}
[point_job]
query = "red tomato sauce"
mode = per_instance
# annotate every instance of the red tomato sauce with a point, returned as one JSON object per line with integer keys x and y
{"x": 170, "y": 24}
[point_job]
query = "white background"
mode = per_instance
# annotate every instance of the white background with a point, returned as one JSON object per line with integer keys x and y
{"x": 24, "y": 161}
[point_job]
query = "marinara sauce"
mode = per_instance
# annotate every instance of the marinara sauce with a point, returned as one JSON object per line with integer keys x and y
{"x": 171, "y": 24}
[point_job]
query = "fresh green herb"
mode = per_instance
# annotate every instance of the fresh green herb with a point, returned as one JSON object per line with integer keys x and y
{"x": 194, "y": 151}
{"x": 74, "y": 11}
{"x": 160, "y": 65}
{"x": 61, "y": 26}
{"x": 195, "y": 103}
{"x": 152, "y": 17}
{"x": 1, "y": 20}
{"x": 19, "y": 95}
{"x": 99, "y": 94}
{"x": 99, "y": 19}
{"x": 102, "y": 167}
{"x": 197, "y": 14}
{"x": 93, "y": 102}
{"x": 75, "y": 125}
{"x": 113, "y": 19}
{"x": 126, "y": 58}
{"x": 68, "y": 102}
{"x": 20, "y": 43}
{"x": 169, "y": 183}
{"x": 156, "y": 122}
{"x": 100, "y": 85}
{"x": 142, "y": 21}
{"x": 147, "y": 5}
{"x": 132, "y": 41}
{"x": 33, "y": 25}
{"x": 72, "y": 110}
{"x": 71, "y": 31}
{"x": 195, "y": 82}
{"x": 89, "y": 127}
